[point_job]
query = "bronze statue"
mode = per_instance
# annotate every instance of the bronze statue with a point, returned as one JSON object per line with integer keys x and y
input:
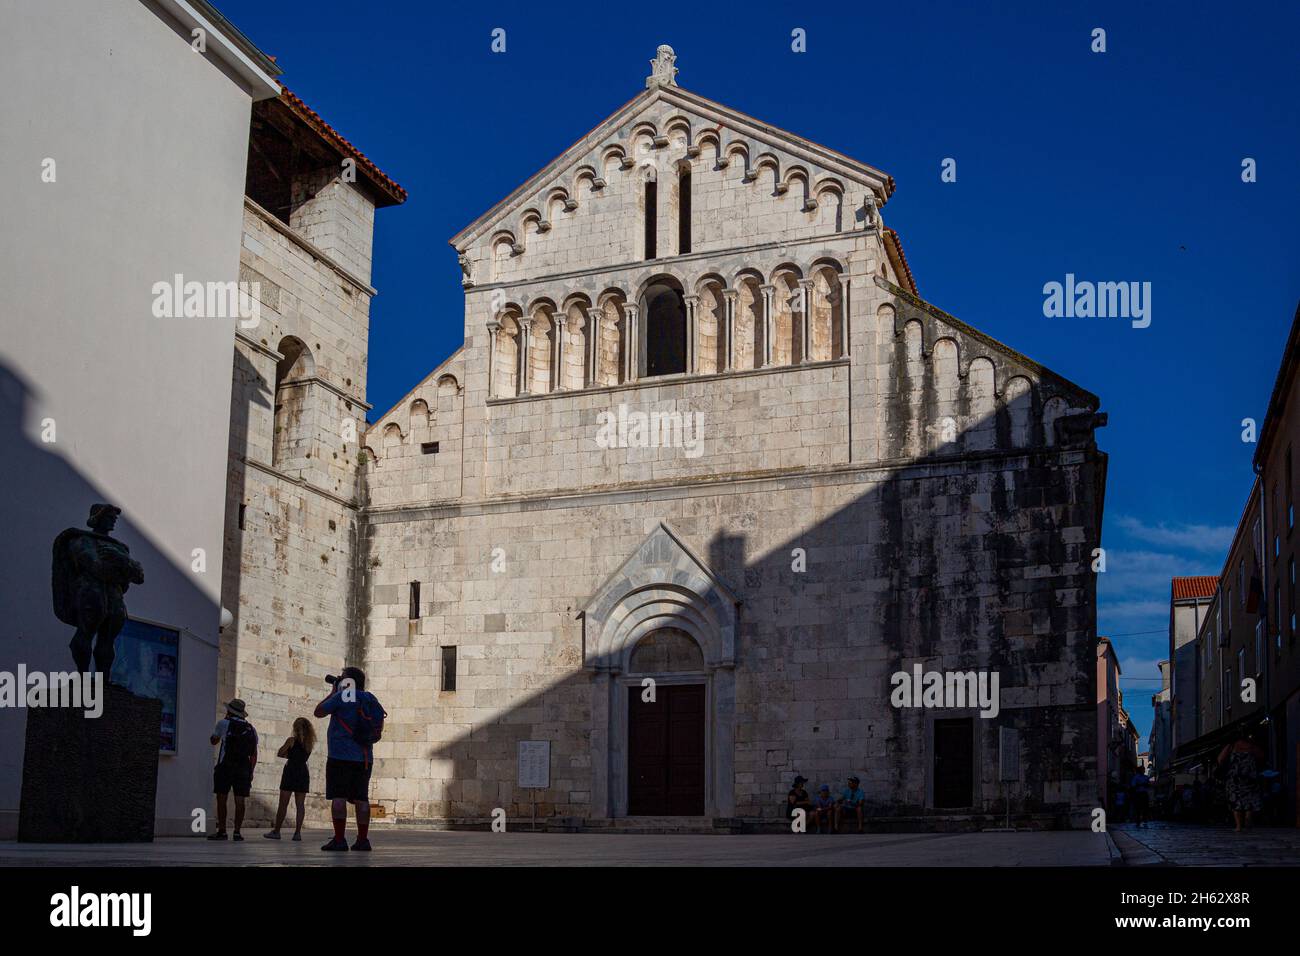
{"x": 91, "y": 573}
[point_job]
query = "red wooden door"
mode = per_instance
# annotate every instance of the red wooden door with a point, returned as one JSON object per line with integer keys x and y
{"x": 666, "y": 751}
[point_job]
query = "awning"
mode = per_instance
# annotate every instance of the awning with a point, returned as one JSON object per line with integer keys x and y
{"x": 1206, "y": 747}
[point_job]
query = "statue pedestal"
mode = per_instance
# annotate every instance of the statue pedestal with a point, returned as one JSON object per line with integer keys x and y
{"x": 91, "y": 780}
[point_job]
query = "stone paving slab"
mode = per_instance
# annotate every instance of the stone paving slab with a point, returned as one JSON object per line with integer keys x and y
{"x": 461, "y": 848}
{"x": 1182, "y": 845}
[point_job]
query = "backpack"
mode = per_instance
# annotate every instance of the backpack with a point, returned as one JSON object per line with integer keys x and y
{"x": 369, "y": 727}
{"x": 241, "y": 742}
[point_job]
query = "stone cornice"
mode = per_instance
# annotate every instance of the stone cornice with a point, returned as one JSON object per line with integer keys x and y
{"x": 668, "y": 261}
{"x": 329, "y": 387}
{"x": 741, "y": 483}
{"x": 300, "y": 482}
{"x": 663, "y": 381}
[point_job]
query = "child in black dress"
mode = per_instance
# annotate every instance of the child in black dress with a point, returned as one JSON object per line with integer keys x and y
{"x": 294, "y": 779}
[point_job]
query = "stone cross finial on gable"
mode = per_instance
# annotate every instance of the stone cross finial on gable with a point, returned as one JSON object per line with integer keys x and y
{"x": 663, "y": 72}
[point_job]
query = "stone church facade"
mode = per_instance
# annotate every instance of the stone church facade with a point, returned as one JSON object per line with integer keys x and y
{"x": 704, "y": 476}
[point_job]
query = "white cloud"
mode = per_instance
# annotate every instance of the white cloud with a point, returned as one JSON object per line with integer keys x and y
{"x": 1130, "y": 573}
{"x": 1193, "y": 537}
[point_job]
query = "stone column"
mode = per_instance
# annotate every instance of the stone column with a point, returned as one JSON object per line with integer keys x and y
{"x": 561, "y": 331}
{"x": 525, "y": 337}
{"x": 593, "y": 343}
{"x": 767, "y": 291}
{"x": 844, "y": 317}
{"x": 632, "y": 342}
{"x": 805, "y": 304}
{"x": 692, "y": 307}
{"x": 493, "y": 328}
{"x": 601, "y": 690}
{"x": 732, "y": 296}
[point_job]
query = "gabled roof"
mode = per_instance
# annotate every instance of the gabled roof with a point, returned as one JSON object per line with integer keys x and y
{"x": 894, "y": 248}
{"x": 1198, "y": 586}
{"x": 880, "y": 182}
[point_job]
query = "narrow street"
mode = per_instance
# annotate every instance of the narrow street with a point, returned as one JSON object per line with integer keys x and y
{"x": 1173, "y": 844}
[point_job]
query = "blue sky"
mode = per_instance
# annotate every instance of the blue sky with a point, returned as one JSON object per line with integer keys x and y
{"x": 1115, "y": 166}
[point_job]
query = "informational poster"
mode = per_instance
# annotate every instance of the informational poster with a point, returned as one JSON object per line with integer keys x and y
{"x": 147, "y": 664}
{"x": 534, "y": 764}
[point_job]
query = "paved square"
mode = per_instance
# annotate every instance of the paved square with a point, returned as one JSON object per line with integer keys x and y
{"x": 409, "y": 847}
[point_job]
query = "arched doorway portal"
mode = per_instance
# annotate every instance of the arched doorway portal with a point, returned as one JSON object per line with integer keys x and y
{"x": 662, "y": 621}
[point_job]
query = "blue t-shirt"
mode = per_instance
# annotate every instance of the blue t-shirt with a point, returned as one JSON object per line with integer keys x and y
{"x": 341, "y": 744}
{"x": 853, "y": 797}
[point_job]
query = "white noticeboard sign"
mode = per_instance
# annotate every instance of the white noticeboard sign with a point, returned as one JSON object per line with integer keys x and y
{"x": 535, "y": 764}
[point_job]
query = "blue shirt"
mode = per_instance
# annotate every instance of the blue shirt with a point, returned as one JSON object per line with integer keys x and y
{"x": 341, "y": 744}
{"x": 853, "y": 797}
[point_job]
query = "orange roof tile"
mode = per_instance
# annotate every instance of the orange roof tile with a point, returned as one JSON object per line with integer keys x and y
{"x": 1200, "y": 586}
{"x": 334, "y": 137}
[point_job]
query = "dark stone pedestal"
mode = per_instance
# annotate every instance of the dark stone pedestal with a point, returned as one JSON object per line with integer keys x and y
{"x": 91, "y": 780}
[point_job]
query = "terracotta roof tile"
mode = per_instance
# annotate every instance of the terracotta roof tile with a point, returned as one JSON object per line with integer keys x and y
{"x": 333, "y": 136}
{"x": 892, "y": 236}
{"x": 1200, "y": 586}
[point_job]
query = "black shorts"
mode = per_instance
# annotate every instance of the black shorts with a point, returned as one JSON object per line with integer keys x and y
{"x": 347, "y": 779}
{"x": 227, "y": 777}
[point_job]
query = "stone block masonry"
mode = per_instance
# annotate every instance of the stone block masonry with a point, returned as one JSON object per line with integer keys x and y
{"x": 868, "y": 485}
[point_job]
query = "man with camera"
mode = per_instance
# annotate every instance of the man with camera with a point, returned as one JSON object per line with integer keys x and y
{"x": 356, "y": 723}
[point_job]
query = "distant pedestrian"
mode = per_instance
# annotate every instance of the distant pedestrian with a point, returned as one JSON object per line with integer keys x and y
{"x": 236, "y": 761}
{"x": 295, "y": 781}
{"x": 1242, "y": 758}
{"x": 1139, "y": 786}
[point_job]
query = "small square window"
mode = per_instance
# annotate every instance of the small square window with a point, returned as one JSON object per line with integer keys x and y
{"x": 429, "y": 448}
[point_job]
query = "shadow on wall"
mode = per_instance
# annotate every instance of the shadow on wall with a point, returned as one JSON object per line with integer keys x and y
{"x": 976, "y": 555}
{"x": 44, "y": 494}
{"x": 248, "y": 387}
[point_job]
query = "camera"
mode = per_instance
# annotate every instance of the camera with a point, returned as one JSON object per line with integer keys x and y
{"x": 332, "y": 679}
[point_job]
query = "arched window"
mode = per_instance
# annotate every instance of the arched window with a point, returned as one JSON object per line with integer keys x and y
{"x": 651, "y": 217}
{"x": 664, "y": 328}
{"x": 291, "y": 443}
{"x": 684, "y": 211}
